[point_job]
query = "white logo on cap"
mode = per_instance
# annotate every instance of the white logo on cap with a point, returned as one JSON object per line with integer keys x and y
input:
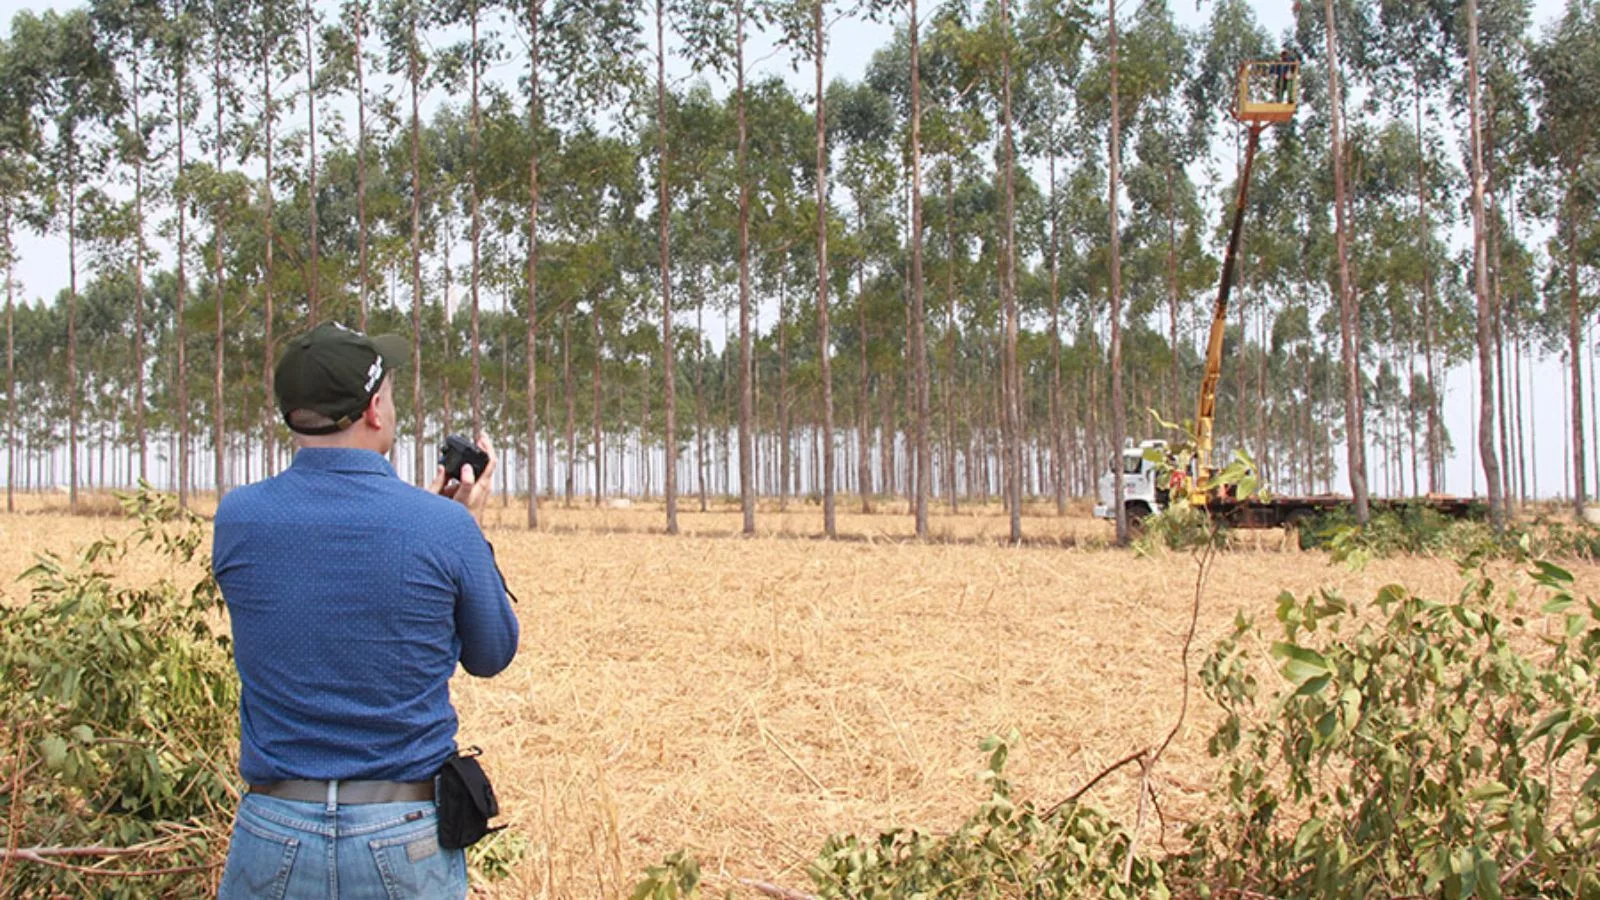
{"x": 374, "y": 373}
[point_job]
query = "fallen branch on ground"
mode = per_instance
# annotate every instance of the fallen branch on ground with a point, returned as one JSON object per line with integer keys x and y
{"x": 47, "y": 856}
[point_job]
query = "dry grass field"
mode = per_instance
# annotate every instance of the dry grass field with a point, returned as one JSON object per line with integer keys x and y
{"x": 743, "y": 698}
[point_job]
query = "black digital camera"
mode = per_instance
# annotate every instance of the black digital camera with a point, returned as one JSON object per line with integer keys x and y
{"x": 458, "y": 452}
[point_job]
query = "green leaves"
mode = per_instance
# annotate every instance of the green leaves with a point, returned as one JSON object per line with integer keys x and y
{"x": 1300, "y": 663}
{"x": 1418, "y": 754}
{"x": 131, "y": 698}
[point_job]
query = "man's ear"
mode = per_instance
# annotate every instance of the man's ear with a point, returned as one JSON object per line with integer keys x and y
{"x": 372, "y": 416}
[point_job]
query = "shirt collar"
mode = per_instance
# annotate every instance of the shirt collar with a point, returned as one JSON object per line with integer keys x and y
{"x": 343, "y": 459}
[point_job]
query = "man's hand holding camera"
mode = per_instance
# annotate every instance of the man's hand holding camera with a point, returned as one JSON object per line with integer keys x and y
{"x": 475, "y": 481}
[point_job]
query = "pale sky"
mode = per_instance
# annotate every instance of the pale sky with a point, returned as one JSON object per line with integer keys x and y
{"x": 42, "y": 264}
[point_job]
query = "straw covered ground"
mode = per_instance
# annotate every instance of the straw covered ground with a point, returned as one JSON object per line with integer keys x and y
{"x": 743, "y": 698}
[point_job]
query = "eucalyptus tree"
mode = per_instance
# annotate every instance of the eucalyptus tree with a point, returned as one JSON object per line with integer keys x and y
{"x": 1055, "y": 33}
{"x": 344, "y": 67}
{"x": 271, "y": 32}
{"x": 919, "y": 342}
{"x": 79, "y": 96}
{"x": 1410, "y": 56}
{"x": 308, "y": 20}
{"x": 585, "y": 50}
{"x": 1119, "y": 422}
{"x": 21, "y": 78}
{"x": 1567, "y": 64}
{"x": 401, "y": 25}
{"x": 865, "y": 127}
{"x": 1348, "y": 302}
{"x": 1486, "y": 352}
{"x": 803, "y": 28}
{"x": 664, "y": 213}
{"x": 714, "y": 37}
{"x": 124, "y": 27}
{"x": 225, "y": 18}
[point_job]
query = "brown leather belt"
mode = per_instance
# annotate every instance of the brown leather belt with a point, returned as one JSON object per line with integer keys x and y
{"x": 348, "y": 792}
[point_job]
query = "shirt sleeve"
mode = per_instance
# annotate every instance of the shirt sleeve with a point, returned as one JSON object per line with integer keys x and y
{"x": 485, "y": 621}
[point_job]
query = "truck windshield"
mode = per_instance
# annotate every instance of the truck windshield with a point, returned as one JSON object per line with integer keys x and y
{"x": 1132, "y": 463}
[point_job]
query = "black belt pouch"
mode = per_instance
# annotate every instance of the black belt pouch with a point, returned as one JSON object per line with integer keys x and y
{"x": 466, "y": 801}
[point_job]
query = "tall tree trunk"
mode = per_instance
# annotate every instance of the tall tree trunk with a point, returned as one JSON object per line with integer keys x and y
{"x": 1058, "y": 462}
{"x": 596, "y": 384}
{"x": 786, "y": 450}
{"x": 535, "y": 11}
{"x": 1491, "y": 463}
{"x": 1424, "y": 234}
{"x": 747, "y": 465}
{"x": 863, "y": 456}
{"x": 219, "y": 441}
{"x": 1008, "y": 281}
{"x": 829, "y": 525}
{"x": 181, "y": 368}
{"x": 919, "y": 315}
{"x": 418, "y": 414}
{"x": 1575, "y": 345}
{"x": 1119, "y": 421}
{"x": 138, "y": 287}
{"x": 269, "y": 442}
{"x": 314, "y": 274}
{"x": 1496, "y": 306}
{"x": 11, "y": 372}
{"x": 477, "y": 233}
{"x": 1349, "y": 309}
{"x": 701, "y": 463}
{"x": 72, "y": 326}
{"x": 669, "y": 385}
{"x": 570, "y": 393}
{"x": 361, "y": 169}
{"x": 950, "y": 331}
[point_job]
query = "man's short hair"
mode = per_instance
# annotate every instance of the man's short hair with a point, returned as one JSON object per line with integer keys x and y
{"x": 307, "y": 420}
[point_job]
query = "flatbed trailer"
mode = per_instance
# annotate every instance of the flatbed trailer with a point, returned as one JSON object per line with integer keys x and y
{"x": 1277, "y": 512}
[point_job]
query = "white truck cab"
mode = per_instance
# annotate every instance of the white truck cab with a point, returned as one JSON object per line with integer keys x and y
{"x": 1140, "y": 493}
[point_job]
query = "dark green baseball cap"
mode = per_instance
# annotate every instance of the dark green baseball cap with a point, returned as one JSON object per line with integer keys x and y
{"x": 334, "y": 371}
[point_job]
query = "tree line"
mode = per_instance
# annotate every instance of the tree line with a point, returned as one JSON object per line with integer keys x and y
{"x": 975, "y": 261}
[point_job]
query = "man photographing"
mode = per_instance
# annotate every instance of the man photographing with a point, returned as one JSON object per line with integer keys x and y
{"x": 352, "y": 597}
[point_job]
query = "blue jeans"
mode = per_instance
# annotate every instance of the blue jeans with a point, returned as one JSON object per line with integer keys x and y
{"x": 388, "y": 851}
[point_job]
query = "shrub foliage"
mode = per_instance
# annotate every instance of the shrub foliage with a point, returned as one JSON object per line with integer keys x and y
{"x": 121, "y": 709}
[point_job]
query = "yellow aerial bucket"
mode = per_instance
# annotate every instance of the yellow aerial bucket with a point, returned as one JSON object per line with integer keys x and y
{"x": 1267, "y": 90}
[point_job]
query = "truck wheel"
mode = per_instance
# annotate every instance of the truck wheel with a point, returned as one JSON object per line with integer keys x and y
{"x": 1138, "y": 511}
